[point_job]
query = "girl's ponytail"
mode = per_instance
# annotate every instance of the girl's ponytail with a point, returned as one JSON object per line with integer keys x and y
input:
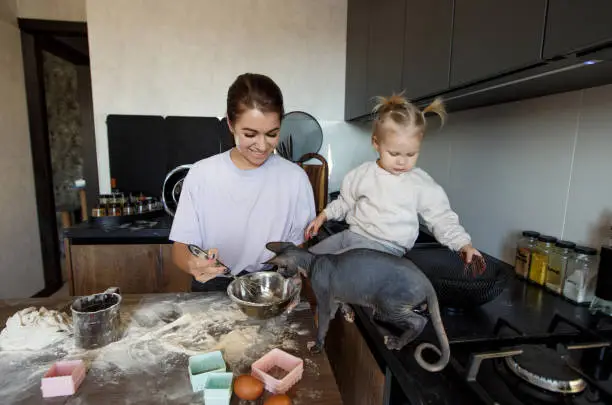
{"x": 436, "y": 107}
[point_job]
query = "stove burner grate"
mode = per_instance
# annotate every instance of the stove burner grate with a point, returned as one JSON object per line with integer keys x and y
{"x": 546, "y": 369}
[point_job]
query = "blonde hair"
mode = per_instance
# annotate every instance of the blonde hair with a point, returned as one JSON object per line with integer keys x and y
{"x": 404, "y": 113}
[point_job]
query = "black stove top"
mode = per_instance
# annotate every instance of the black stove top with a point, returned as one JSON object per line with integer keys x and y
{"x": 547, "y": 361}
{"x": 522, "y": 321}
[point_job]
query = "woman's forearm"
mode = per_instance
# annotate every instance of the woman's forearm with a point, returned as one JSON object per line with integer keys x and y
{"x": 181, "y": 256}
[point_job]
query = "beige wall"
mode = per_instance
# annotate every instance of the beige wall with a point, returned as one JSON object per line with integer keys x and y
{"x": 179, "y": 57}
{"x": 541, "y": 164}
{"x": 21, "y": 273}
{"x": 64, "y": 10}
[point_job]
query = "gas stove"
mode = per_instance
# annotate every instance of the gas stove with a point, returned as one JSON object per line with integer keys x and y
{"x": 558, "y": 367}
{"x": 527, "y": 347}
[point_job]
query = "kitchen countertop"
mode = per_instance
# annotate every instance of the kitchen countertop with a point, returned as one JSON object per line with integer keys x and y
{"x": 526, "y": 306}
{"x": 139, "y": 371}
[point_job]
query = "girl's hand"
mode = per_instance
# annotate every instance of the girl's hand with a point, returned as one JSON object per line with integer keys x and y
{"x": 205, "y": 269}
{"x": 473, "y": 258}
{"x": 313, "y": 228}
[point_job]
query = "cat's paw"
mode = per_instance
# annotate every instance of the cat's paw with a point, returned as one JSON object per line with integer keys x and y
{"x": 392, "y": 343}
{"x": 349, "y": 314}
{"x": 313, "y": 347}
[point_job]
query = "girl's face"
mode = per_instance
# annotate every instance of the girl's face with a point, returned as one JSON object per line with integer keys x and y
{"x": 256, "y": 135}
{"x": 398, "y": 150}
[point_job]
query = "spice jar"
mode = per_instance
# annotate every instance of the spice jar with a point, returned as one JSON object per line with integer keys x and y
{"x": 128, "y": 207}
{"x": 579, "y": 285}
{"x": 141, "y": 208}
{"x": 539, "y": 259}
{"x": 557, "y": 265}
{"x": 99, "y": 210}
{"x": 524, "y": 247}
{"x": 114, "y": 209}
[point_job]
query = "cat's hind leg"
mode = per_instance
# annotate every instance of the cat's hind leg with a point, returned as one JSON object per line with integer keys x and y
{"x": 402, "y": 317}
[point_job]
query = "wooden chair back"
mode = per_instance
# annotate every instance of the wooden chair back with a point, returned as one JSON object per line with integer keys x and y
{"x": 318, "y": 174}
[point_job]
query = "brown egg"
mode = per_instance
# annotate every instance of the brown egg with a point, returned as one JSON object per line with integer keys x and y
{"x": 278, "y": 400}
{"x": 248, "y": 387}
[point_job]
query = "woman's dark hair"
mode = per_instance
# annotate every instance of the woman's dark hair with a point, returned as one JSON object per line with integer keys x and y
{"x": 252, "y": 90}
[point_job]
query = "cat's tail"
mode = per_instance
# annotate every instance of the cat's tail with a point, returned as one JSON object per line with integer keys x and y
{"x": 444, "y": 351}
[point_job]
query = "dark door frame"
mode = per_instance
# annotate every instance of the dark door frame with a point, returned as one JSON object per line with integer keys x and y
{"x": 38, "y": 36}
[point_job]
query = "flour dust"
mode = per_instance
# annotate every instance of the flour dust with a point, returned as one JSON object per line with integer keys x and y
{"x": 158, "y": 337}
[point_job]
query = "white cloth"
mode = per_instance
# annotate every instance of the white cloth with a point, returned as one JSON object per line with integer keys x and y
{"x": 239, "y": 211}
{"x": 386, "y": 207}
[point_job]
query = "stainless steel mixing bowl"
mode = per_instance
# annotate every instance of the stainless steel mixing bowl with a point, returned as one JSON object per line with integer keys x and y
{"x": 264, "y": 294}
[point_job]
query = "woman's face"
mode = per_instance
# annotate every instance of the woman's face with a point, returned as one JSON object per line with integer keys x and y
{"x": 256, "y": 135}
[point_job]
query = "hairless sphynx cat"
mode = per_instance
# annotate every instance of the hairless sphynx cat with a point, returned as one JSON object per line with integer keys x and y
{"x": 393, "y": 287}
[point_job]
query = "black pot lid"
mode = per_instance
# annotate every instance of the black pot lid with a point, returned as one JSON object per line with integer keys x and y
{"x": 173, "y": 185}
{"x": 300, "y": 133}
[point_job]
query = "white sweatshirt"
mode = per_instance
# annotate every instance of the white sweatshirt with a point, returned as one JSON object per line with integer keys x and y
{"x": 386, "y": 207}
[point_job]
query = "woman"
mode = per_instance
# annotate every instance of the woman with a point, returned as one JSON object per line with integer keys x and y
{"x": 233, "y": 203}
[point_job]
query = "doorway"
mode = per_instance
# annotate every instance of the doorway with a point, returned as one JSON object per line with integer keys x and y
{"x": 60, "y": 112}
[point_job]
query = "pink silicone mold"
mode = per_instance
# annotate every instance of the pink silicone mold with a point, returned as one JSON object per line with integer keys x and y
{"x": 63, "y": 378}
{"x": 276, "y": 357}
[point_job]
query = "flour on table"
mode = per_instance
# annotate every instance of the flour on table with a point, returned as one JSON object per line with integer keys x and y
{"x": 157, "y": 340}
{"x": 305, "y": 396}
{"x": 35, "y": 329}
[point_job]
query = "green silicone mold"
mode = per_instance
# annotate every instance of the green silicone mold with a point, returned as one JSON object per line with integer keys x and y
{"x": 218, "y": 389}
{"x": 202, "y": 366}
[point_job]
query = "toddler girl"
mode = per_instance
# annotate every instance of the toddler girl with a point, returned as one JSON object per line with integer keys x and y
{"x": 381, "y": 201}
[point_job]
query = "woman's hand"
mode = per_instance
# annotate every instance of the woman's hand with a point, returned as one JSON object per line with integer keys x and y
{"x": 205, "y": 269}
{"x": 473, "y": 257}
{"x": 313, "y": 228}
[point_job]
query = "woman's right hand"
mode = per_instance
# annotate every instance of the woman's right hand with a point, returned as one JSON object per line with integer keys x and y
{"x": 205, "y": 269}
{"x": 313, "y": 228}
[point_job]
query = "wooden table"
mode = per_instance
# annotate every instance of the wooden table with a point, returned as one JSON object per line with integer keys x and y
{"x": 168, "y": 381}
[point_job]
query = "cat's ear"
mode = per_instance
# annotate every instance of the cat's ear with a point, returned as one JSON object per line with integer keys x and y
{"x": 278, "y": 247}
{"x": 286, "y": 262}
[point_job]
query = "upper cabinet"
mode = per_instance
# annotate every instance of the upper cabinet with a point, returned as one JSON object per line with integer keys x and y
{"x": 573, "y": 25}
{"x": 385, "y": 48}
{"x": 427, "y": 47}
{"x": 494, "y": 37}
{"x": 473, "y": 52}
{"x": 357, "y": 38}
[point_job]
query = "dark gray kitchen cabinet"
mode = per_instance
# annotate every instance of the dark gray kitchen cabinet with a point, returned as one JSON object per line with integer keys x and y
{"x": 573, "y": 25}
{"x": 385, "y": 48}
{"x": 357, "y": 38}
{"x": 427, "y": 47}
{"x": 494, "y": 37}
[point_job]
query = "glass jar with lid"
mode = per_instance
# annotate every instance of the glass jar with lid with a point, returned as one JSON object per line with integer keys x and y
{"x": 538, "y": 267}
{"x": 579, "y": 285}
{"x": 557, "y": 265}
{"x": 114, "y": 209}
{"x": 100, "y": 209}
{"x": 524, "y": 247}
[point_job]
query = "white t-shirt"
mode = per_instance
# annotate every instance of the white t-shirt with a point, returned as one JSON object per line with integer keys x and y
{"x": 239, "y": 211}
{"x": 386, "y": 207}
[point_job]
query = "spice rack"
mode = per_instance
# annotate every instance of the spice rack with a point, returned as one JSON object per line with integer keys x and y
{"x": 559, "y": 266}
{"x": 117, "y": 208}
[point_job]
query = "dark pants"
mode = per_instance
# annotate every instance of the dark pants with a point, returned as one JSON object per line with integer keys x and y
{"x": 215, "y": 284}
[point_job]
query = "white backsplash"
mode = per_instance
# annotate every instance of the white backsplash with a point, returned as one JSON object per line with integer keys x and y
{"x": 541, "y": 164}
{"x": 345, "y": 146}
